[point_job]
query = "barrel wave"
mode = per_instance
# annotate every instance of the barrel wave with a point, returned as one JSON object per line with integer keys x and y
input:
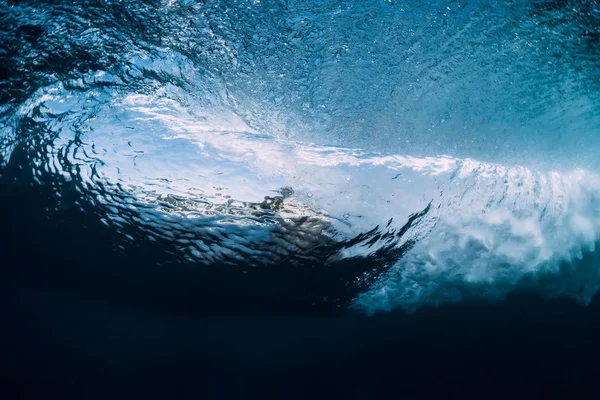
{"x": 367, "y": 155}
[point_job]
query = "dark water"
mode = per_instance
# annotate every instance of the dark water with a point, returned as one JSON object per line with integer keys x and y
{"x": 63, "y": 346}
{"x": 299, "y": 199}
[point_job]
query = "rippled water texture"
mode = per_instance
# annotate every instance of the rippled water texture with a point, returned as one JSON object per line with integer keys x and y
{"x": 372, "y": 154}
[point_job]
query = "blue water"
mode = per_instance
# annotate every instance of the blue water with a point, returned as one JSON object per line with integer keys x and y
{"x": 300, "y": 158}
{"x": 251, "y": 134}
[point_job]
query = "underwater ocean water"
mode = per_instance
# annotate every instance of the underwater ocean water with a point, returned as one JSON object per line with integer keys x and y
{"x": 252, "y": 198}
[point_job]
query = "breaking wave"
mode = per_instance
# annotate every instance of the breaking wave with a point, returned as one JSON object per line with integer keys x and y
{"x": 380, "y": 155}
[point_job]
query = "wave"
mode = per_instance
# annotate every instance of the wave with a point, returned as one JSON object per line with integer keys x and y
{"x": 190, "y": 136}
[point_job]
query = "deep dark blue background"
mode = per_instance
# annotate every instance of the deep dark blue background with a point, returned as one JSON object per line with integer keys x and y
{"x": 57, "y": 345}
{"x": 68, "y": 331}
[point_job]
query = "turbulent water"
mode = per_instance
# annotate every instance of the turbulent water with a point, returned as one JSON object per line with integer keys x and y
{"x": 365, "y": 154}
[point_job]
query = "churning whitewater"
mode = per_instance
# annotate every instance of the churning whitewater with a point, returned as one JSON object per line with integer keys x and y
{"x": 405, "y": 154}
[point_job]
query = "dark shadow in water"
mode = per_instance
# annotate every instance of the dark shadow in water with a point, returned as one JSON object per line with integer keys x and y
{"x": 61, "y": 346}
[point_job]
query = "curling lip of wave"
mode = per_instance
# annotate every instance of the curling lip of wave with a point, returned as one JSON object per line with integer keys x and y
{"x": 487, "y": 227}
